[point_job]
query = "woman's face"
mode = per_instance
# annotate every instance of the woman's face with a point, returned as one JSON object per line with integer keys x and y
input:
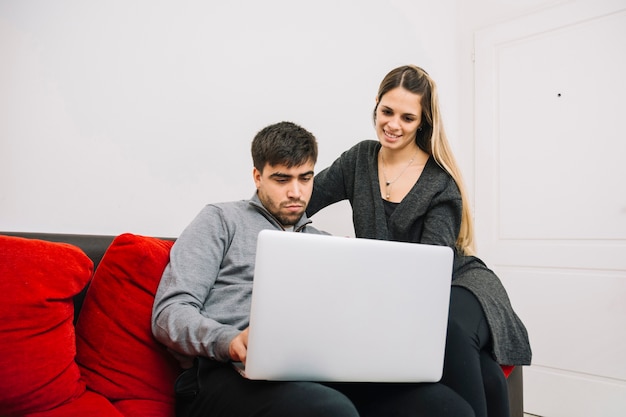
{"x": 398, "y": 116}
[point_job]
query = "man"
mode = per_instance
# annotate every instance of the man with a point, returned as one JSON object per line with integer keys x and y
{"x": 202, "y": 305}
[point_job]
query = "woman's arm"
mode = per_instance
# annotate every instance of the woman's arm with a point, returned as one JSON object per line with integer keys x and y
{"x": 328, "y": 187}
{"x": 442, "y": 222}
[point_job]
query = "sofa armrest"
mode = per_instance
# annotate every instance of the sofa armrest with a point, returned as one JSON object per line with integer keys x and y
{"x": 516, "y": 392}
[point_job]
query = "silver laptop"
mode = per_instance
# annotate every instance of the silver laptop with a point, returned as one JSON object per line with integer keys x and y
{"x": 328, "y": 308}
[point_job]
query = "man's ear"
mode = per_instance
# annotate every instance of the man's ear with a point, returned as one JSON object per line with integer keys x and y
{"x": 256, "y": 176}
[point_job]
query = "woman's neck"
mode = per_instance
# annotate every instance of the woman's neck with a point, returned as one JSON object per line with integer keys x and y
{"x": 403, "y": 155}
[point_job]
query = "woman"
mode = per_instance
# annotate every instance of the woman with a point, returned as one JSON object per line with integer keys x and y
{"x": 407, "y": 187}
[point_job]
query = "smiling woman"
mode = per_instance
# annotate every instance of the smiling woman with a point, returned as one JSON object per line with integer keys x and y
{"x": 430, "y": 206}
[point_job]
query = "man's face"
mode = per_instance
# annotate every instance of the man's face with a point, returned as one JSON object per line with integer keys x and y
{"x": 285, "y": 192}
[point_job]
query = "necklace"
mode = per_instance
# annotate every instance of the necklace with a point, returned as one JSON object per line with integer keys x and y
{"x": 389, "y": 184}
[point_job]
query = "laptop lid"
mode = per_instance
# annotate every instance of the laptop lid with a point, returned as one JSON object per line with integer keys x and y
{"x": 328, "y": 308}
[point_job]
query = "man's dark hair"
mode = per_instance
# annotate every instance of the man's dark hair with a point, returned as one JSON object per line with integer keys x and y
{"x": 283, "y": 143}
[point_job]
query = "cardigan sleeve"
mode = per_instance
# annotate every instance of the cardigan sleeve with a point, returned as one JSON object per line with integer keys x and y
{"x": 328, "y": 188}
{"x": 336, "y": 183}
{"x": 442, "y": 221}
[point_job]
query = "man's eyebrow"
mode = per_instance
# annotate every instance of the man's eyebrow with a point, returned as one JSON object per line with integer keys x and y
{"x": 280, "y": 175}
{"x": 283, "y": 175}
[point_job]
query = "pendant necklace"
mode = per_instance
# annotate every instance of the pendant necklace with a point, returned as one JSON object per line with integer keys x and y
{"x": 389, "y": 184}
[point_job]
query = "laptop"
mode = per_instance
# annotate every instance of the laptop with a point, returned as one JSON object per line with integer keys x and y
{"x": 340, "y": 309}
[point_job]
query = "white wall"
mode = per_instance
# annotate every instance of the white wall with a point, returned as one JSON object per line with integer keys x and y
{"x": 129, "y": 116}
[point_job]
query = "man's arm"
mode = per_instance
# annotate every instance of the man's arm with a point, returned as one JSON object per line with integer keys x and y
{"x": 193, "y": 269}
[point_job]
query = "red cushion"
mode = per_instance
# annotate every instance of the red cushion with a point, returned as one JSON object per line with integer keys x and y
{"x": 118, "y": 356}
{"x": 37, "y": 282}
{"x": 89, "y": 404}
{"x": 144, "y": 408}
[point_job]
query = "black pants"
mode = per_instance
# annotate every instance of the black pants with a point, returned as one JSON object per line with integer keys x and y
{"x": 215, "y": 390}
{"x": 469, "y": 369}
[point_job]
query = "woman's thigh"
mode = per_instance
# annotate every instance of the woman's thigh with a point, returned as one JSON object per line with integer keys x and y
{"x": 223, "y": 392}
{"x": 405, "y": 400}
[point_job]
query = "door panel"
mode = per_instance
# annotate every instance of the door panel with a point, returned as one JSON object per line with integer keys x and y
{"x": 551, "y": 199}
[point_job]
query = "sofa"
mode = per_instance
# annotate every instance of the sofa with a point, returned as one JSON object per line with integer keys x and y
{"x": 76, "y": 338}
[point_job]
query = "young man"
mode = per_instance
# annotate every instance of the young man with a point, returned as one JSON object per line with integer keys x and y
{"x": 202, "y": 305}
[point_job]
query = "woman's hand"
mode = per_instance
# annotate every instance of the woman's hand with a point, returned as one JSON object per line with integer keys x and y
{"x": 238, "y": 348}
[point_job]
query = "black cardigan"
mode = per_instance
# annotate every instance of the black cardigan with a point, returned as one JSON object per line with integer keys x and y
{"x": 431, "y": 214}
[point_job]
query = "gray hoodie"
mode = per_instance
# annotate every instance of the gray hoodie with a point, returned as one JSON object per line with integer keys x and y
{"x": 203, "y": 299}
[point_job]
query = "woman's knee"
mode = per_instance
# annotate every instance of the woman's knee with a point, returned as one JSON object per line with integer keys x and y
{"x": 440, "y": 400}
{"x": 493, "y": 377}
{"x": 466, "y": 321}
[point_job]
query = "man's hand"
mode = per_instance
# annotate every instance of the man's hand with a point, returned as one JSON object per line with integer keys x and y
{"x": 238, "y": 348}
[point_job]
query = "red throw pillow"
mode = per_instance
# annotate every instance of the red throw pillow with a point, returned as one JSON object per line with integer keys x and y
{"x": 117, "y": 354}
{"x": 89, "y": 404}
{"x": 37, "y": 282}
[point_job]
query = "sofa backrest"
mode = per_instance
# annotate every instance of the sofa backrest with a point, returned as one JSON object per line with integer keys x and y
{"x": 94, "y": 247}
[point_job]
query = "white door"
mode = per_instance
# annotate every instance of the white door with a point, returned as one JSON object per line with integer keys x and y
{"x": 550, "y": 196}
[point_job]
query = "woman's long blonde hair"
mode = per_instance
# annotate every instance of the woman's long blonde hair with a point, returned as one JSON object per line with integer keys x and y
{"x": 431, "y": 137}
